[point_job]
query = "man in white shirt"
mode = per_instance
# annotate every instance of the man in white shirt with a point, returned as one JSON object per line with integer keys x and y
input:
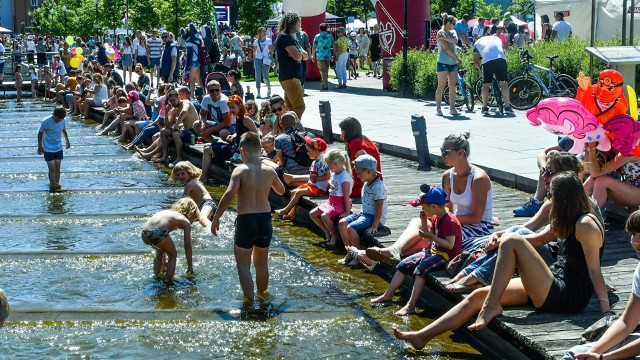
{"x": 489, "y": 51}
{"x": 31, "y": 50}
{"x": 561, "y": 30}
{"x": 478, "y": 29}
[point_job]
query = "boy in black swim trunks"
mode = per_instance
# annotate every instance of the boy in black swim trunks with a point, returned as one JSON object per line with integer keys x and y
{"x": 252, "y": 182}
{"x": 156, "y": 233}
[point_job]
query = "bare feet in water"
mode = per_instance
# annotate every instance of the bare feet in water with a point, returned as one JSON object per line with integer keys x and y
{"x": 412, "y": 337}
{"x": 406, "y": 310}
{"x": 487, "y": 313}
{"x": 381, "y": 299}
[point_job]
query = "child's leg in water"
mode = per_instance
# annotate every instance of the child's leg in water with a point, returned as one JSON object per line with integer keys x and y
{"x": 316, "y": 215}
{"x": 166, "y": 246}
{"x": 331, "y": 229}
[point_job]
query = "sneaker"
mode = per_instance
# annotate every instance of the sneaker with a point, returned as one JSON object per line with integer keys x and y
{"x": 485, "y": 110}
{"x": 528, "y": 209}
{"x": 508, "y": 109}
{"x": 438, "y": 112}
{"x": 269, "y": 94}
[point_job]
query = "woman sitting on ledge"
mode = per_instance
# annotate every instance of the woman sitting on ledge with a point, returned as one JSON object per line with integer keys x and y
{"x": 566, "y": 287}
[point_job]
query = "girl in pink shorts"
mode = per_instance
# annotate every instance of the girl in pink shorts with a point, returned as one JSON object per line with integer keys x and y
{"x": 339, "y": 203}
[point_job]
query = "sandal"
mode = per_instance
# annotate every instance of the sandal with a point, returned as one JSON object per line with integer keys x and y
{"x": 370, "y": 267}
{"x": 458, "y": 288}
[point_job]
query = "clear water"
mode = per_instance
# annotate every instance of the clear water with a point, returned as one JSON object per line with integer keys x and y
{"x": 80, "y": 284}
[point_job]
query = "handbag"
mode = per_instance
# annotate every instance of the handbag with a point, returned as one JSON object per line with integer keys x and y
{"x": 266, "y": 60}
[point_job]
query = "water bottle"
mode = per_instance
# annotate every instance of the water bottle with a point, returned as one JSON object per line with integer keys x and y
{"x": 193, "y": 139}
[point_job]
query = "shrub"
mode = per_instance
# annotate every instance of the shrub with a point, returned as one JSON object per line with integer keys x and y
{"x": 573, "y": 58}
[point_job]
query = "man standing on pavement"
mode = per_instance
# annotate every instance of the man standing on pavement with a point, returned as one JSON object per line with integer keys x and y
{"x": 41, "y": 53}
{"x": 462, "y": 30}
{"x": 561, "y": 30}
{"x": 303, "y": 40}
{"x": 154, "y": 49}
{"x": 488, "y": 50}
{"x": 321, "y": 52}
{"x": 169, "y": 59}
{"x": 290, "y": 54}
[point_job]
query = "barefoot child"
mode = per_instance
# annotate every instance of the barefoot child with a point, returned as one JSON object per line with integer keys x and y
{"x": 252, "y": 182}
{"x": 374, "y": 209}
{"x": 315, "y": 184}
{"x": 156, "y": 233}
{"x": 50, "y": 135}
{"x": 446, "y": 243}
{"x": 189, "y": 175}
{"x": 18, "y": 82}
{"x": 339, "y": 203}
{"x": 34, "y": 81}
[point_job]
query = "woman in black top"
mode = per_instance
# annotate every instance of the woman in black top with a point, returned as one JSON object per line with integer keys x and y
{"x": 546, "y": 27}
{"x": 289, "y": 54}
{"x": 565, "y": 287}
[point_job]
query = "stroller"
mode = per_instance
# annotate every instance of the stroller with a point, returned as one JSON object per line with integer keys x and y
{"x": 222, "y": 79}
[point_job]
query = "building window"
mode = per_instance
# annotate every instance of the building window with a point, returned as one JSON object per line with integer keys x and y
{"x": 34, "y": 3}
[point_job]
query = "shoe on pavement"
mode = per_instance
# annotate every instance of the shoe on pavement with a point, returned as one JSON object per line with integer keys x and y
{"x": 528, "y": 209}
{"x": 508, "y": 109}
{"x": 438, "y": 112}
{"x": 485, "y": 110}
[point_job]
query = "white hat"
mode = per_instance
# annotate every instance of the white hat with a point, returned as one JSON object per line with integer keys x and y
{"x": 353, "y": 33}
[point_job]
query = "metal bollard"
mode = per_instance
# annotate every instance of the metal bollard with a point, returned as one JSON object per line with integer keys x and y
{"x": 248, "y": 95}
{"x": 325, "y": 116}
{"x": 419, "y": 129}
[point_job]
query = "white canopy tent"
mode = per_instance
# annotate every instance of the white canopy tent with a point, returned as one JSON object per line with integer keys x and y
{"x": 356, "y": 25}
{"x": 608, "y": 19}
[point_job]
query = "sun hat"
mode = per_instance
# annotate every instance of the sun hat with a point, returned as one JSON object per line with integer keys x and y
{"x": 368, "y": 162}
{"x": 353, "y": 33}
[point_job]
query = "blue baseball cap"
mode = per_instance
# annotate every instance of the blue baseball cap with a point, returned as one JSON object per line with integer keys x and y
{"x": 430, "y": 195}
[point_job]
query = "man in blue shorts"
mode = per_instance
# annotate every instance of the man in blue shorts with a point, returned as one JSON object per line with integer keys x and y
{"x": 50, "y": 144}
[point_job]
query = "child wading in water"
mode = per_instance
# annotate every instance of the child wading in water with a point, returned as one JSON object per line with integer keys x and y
{"x": 315, "y": 184}
{"x": 189, "y": 175}
{"x": 50, "y": 135}
{"x": 446, "y": 243}
{"x": 34, "y": 81}
{"x": 156, "y": 233}
{"x": 252, "y": 182}
{"x": 339, "y": 203}
{"x": 18, "y": 82}
{"x": 373, "y": 214}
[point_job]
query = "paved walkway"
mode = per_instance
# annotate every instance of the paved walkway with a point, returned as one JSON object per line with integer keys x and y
{"x": 506, "y": 146}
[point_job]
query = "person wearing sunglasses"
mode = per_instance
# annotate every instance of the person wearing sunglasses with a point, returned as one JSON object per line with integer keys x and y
{"x": 169, "y": 59}
{"x": 215, "y": 118}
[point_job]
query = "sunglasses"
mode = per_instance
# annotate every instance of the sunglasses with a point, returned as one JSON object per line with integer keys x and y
{"x": 165, "y": 36}
{"x": 445, "y": 152}
{"x": 546, "y": 171}
{"x": 278, "y": 109}
{"x": 213, "y": 90}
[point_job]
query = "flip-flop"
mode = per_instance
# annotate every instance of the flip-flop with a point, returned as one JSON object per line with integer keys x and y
{"x": 457, "y": 288}
{"x": 370, "y": 267}
{"x": 374, "y": 254}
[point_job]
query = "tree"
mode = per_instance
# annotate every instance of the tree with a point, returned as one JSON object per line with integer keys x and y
{"x": 488, "y": 11}
{"x": 356, "y": 8}
{"x": 250, "y": 14}
{"x": 521, "y": 8}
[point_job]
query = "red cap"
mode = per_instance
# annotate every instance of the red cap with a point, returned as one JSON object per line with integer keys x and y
{"x": 316, "y": 144}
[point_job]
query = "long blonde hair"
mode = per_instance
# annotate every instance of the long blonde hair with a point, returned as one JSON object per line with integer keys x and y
{"x": 187, "y": 166}
{"x": 338, "y": 155}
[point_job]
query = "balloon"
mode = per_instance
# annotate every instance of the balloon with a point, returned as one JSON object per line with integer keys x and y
{"x": 111, "y": 57}
{"x": 79, "y": 51}
{"x": 633, "y": 102}
{"x": 80, "y": 57}
{"x": 566, "y": 116}
{"x": 73, "y": 51}
{"x": 74, "y": 62}
{"x": 605, "y": 98}
{"x": 625, "y": 134}
{"x": 110, "y": 51}
{"x": 69, "y": 40}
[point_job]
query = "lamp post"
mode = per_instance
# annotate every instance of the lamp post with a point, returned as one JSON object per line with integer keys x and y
{"x": 95, "y": 25}
{"x": 126, "y": 19}
{"x": 262, "y": 14}
{"x": 64, "y": 11}
{"x": 405, "y": 37}
{"x": 51, "y": 11}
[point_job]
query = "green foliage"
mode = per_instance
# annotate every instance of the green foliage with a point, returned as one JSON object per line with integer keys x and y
{"x": 519, "y": 8}
{"x": 488, "y": 11}
{"x": 357, "y": 8}
{"x": 250, "y": 13}
{"x": 421, "y": 72}
{"x": 464, "y": 7}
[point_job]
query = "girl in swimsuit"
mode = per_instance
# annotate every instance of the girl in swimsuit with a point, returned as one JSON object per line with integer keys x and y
{"x": 189, "y": 175}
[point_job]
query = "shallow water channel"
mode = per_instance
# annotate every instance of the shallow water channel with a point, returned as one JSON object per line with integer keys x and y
{"x": 80, "y": 283}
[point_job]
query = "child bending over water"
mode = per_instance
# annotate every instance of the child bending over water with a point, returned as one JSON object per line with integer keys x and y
{"x": 156, "y": 233}
{"x": 189, "y": 175}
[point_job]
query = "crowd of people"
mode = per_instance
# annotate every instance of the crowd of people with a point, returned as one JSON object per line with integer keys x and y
{"x": 558, "y": 266}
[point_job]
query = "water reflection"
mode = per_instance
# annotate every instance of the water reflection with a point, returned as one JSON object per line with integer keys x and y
{"x": 165, "y": 293}
{"x": 58, "y": 237}
{"x": 57, "y": 203}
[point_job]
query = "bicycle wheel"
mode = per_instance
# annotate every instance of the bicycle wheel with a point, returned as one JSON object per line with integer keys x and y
{"x": 459, "y": 97}
{"x": 524, "y": 93}
{"x": 478, "y": 93}
{"x": 468, "y": 96}
{"x": 565, "y": 86}
{"x": 497, "y": 94}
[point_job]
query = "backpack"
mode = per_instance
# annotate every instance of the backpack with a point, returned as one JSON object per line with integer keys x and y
{"x": 203, "y": 56}
{"x": 300, "y": 148}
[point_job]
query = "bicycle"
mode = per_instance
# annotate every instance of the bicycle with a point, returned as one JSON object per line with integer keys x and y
{"x": 478, "y": 93}
{"x": 526, "y": 90}
{"x": 464, "y": 92}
